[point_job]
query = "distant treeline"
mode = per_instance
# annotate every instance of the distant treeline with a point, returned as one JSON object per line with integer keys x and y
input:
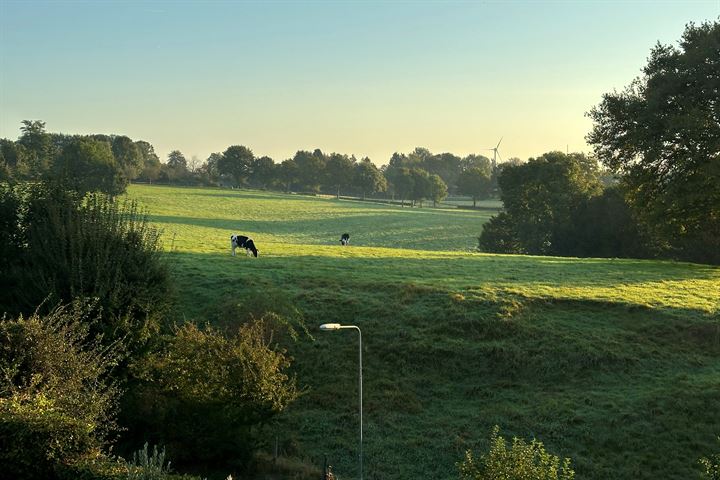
{"x": 109, "y": 162}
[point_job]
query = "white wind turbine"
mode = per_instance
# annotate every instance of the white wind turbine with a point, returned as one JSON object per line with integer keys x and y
{"x": 496, "y": 154}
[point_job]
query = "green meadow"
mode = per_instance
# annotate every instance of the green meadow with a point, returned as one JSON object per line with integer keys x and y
{"x": 614, "y": 363}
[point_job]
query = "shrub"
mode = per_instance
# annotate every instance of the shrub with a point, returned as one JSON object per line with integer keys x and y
{"x": 498, "y": 236}
{"x": 205, "y": 395}
{"x": 522, "y": 461}
{"x": 68, "y": 247}
{"x": 52, "y": 357}
{"x": 36, "y": 435}
{"x": 56, "y": 403}
{"x": 711, "y": 467}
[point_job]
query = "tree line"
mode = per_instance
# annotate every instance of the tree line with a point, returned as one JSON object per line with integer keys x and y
{"x": 109, "y": 162}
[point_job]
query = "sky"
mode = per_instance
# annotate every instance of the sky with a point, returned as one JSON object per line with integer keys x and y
{"x": 367, "y": 78}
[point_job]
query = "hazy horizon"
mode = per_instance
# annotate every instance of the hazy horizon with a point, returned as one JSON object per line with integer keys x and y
{"x": 362, "y": 78}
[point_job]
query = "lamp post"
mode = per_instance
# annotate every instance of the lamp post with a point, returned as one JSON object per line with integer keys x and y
{"x": 336, "y": 326}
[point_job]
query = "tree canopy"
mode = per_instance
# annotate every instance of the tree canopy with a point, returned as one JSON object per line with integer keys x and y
{"x": 661, "y": 136}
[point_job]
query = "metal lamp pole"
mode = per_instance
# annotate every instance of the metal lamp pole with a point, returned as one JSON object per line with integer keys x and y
{"x": 337, "y": 326}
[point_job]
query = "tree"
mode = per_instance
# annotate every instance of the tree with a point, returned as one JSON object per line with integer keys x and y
{"x": 661, "y": 136}
{"x": 177, "y": 160}
{"x": 541, "y": 198}
{"x": 128, "y": 156}
{"x": 236, "y": 162}
{"x": 404, "y": 184}
{"x": 87, "y": 165}
{"x": 368, "y": 178}
{"x": 480, "y": 161}
{"x": 38, "y": 147}
{"x": 310, "y": 169}
{"x": 263, "y": 172}
{"x": 289, "y": 173}
{"x": 475, "y": 182}
{"x": 150, "y": 170}
{"x": 438, "y": 189}
{"x": 339, "y": 171}
{"x": 421, "y": 185}
{"x": 176, "y": 168}
{"x": 446, "y": 165}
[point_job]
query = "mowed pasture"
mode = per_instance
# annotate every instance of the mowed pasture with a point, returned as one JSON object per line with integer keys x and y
{"x": 615, "y": 363}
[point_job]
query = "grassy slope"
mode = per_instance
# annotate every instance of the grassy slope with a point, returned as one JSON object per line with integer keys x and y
{"x": 611, "y": 362}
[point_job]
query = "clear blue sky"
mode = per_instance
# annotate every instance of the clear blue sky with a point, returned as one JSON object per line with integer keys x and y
{"x": 357, "y": 77}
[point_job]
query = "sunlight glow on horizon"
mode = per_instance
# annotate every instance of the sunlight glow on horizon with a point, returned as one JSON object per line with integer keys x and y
{"x": 362, "y": 78}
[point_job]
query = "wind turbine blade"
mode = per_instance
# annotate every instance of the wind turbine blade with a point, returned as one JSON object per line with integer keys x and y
{"x": 499, "y": 142}
{"x": 499, "y": 157}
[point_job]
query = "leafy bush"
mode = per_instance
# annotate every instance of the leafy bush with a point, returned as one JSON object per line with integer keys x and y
{"x": 55, "y": 400}
{"x": 278, "y": 311}
{"x": 35, "y": 436}
{"x": 67, "y": 247}
{"x": 205, "y": 395}
{"x": 711, "y": 467}
{"x": 522, "y": 461}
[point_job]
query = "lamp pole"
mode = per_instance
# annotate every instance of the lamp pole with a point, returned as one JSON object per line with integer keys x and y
{"x": 336, "y": 326}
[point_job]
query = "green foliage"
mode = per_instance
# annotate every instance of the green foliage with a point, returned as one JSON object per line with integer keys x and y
{"x": 710, "y": 467}
{"x": 64, "y": 247}
{"x": 437, "y": 189}
{"x": 56, "y": 401}
{"x": 36, "y": 436}
{"x": 475, "y": 182}
{"x": 661, "y": 135}
{"x": 88, "y": 165}
{"x": 205, "y": 395}
{"x": 236, "y": 162}
{"x": 339, "y": 170}
{"x": 550, "y": 210}
{"x": 368, "y": 178}
{"x": 522, "y": 461}
{"x": 52, "y": 356}
{"x": 499, "y": 235}
{"x": 145, "y": 466}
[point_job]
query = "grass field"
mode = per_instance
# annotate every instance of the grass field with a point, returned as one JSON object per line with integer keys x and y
{"x": 615, "y": 363}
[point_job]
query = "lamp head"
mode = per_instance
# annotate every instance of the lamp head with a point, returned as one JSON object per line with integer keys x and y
{"x": 330, "y": 326}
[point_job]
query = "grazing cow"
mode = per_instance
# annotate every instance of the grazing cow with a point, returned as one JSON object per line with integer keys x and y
{"x": 345, "y": 239}
{"x": 241, "y": 241}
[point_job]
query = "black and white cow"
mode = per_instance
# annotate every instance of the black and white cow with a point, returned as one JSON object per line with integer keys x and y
{"x": 345, "y": 239}
{"x": 241, "y": 241}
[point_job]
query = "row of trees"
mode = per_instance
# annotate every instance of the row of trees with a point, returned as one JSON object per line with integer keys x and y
{"x": 660, "y": 138}
{"x": 109, "y": 162}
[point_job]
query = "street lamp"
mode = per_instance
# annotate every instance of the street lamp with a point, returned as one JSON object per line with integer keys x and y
{"x": 336, "y": 326}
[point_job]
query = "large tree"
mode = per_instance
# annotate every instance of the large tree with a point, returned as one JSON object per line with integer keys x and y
{"x": 88, "y": 165}
{"x": 127, "y": 155}
{"x": 438, "y": 189}
{"x": 541, "y": 198}
{"x": 236, "y": 162}
{"x": 368, "y": 178}
{"x": 476, "y": 182}
{"x": 339, "y": 171}
{"x": 263, "y": 172}
{"x": 38, "y": 147}
{"x": 310, "y": 169}
{"x": 661, "y": 136}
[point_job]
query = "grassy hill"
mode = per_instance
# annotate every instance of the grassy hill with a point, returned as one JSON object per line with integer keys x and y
{"x": 615, "y": 363}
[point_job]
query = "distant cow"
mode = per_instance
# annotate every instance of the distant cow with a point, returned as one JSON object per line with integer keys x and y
{"x": 241, "y": 241}
{"x": 345, "y": 239}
